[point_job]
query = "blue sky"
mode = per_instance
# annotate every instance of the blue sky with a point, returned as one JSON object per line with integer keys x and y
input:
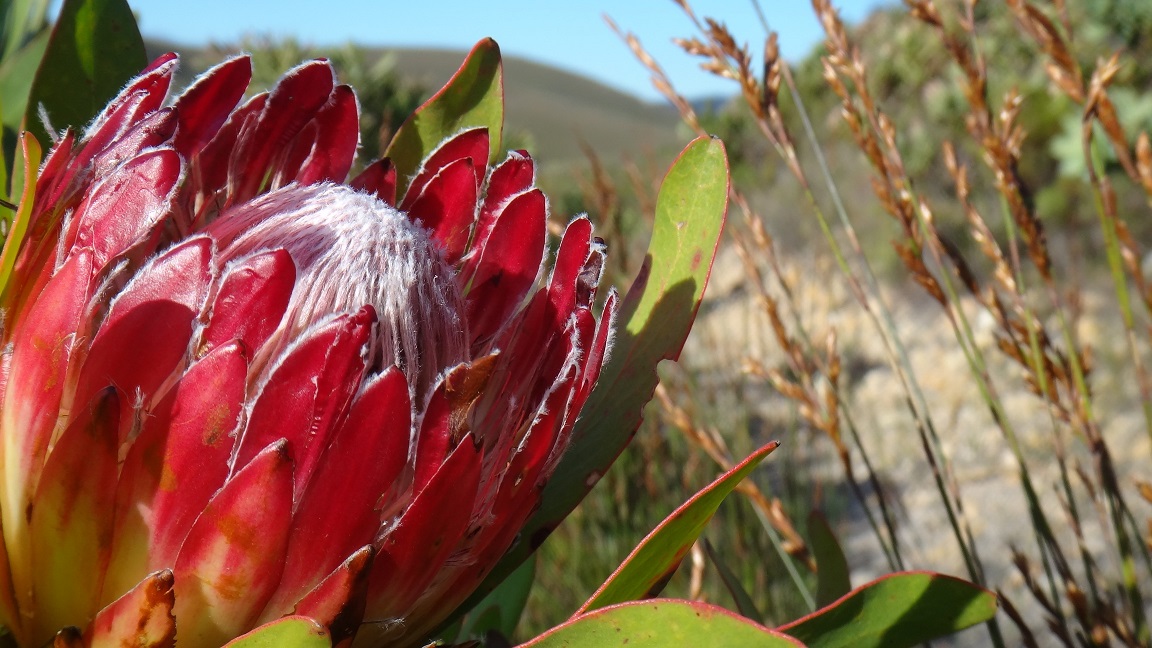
{"x": 570, "y": 34}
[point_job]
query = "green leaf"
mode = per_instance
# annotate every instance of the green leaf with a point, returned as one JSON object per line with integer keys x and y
{"x": 832, "y": 580}
{"x": 7, "y": 215}
{"x": 661, "y": 622}
{"x": 473, "y": 97}
{"x": 903, "y": 609}
{"x": 16, "y": 74}
{"x": 744, "y": 602}
{"x": 645, "y": 571}
{"x": 654, "y": 320}
{"x": 22, "y": 19}
{"x": 652, "y": 324}
{"x": 95, "y": 48}
{"x": 501, "y": 609}
{"x": 285, "y": 632}
{"x": 18, "y": 225}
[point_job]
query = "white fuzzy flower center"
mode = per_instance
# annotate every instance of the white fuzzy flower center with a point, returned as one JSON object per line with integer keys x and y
{"x": 351, "y": 249}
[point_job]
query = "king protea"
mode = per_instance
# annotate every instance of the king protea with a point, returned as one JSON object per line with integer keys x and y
{"x": 237, "y": 385}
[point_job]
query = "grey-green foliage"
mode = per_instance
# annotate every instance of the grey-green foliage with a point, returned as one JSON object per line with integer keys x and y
{"x": 1134, "y": 110}
{"x": 1126, "y": 22}
{"x": 386, "y": 99}
{"x": 23, "y": 38}
{"x": 20, "y": 22}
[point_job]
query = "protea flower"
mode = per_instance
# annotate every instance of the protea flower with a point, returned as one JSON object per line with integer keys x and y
{"x": 236, "y": 387}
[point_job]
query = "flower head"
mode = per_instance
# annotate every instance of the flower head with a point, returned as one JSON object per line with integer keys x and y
{"x": 236, "y": 386}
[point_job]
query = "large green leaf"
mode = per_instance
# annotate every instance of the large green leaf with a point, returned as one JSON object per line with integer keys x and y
{"x": 654, "y": 320}
{"x": 95, "y": 48}
{"x": 286, "y": 632}
{"x": 473, "y": 97}
{"x": 645, "y": 571}
{"x": 662, "y": 623}
{"x": 903, "y": 609}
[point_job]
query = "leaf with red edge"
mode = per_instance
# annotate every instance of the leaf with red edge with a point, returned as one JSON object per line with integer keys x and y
{"x": 72, "y": 513}
{"x": 661, "y": 623}
{"x": 176, "y": 464}
{"x": 654, "y": 320}
{"x": 894, "y": 611}
{"x": 645, "y": 571}
{"x": 653, "y": 323}
{"x": 141, "y": 618}
{"x": 94, "y": 48}
{"x": 473, "y": 97}
{"x": 231, "y": 562}
{"x": 287, "y": 632}
{"x": 338, "y": 512}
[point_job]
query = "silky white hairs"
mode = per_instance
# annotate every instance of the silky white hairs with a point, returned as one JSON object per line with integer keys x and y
{"x": 351, "y": 250}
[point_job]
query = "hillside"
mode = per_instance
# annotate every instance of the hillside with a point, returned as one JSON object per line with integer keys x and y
{"x": 559, "y": 108}
{"x": 550, "y": 110}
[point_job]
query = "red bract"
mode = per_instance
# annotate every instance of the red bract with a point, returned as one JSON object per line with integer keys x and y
{"x": 236, "y": 387}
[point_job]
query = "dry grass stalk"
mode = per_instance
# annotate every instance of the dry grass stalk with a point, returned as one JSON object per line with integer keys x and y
{"x": 712, "y": 443}
{"x": 1083, "y": 606}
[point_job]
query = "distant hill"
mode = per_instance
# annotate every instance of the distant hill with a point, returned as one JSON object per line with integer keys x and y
{"x": 556, "y": 110}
